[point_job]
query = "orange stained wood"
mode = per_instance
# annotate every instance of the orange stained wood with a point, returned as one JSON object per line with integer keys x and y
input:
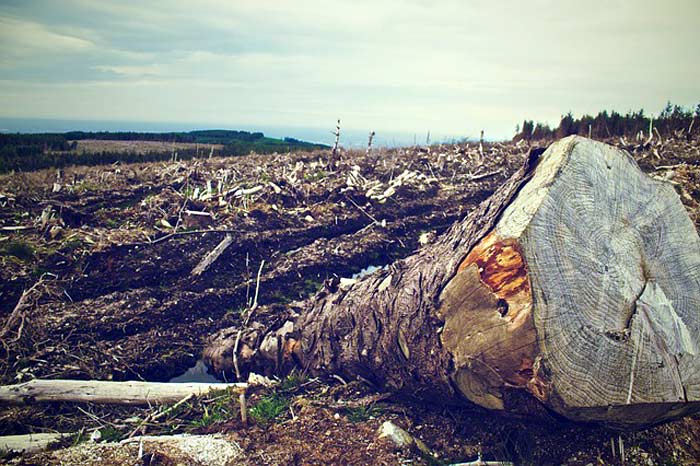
{"x": 291, "y": 346}
{"x": 498, "y": 331}
{"x": 501, "y": 266}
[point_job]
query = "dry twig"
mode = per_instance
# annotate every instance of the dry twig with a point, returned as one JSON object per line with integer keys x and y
{"x": 18, "y": 313}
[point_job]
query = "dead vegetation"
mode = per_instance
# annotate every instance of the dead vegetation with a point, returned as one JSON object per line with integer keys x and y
{"x": 124, "y": 280}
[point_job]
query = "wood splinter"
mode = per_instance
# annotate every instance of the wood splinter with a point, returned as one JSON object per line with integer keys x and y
{"x": 212, "y": 256}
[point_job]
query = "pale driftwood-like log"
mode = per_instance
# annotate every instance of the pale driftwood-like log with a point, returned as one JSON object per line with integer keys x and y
{"x": 210, "y": 258}
{"x": 106, "y": 392}
{"x": 16, "y": 228}
{"x": 576, "y": 287}
{"x": 29, "y": 442}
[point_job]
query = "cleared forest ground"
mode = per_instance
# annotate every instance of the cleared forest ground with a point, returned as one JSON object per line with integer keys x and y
{"x": 99, "y": 145}
{"x": 111, "y": 251}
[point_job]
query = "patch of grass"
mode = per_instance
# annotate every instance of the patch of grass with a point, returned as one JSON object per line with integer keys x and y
{"x": 279, "y": 297}
{"x": 110, "y": 434}
{"x": 174, "y": 412}
{"x": 20, "y": 250}
{"x": 222, "y": 407}
{"x": 85, "y": 186}
{"x": 312, "y": 286}
{"x": 671, "y": 462}
{"x": 112, "y": 222}
{"x": 188, "y": 192}
{"x": 79, "y": 437}
{"x": 235, "y": 311}
{"x": 362, "y": 413}
{"x": 315, "y": 176}
{"x": 39, "y": 271}
{"x": 209, "y": 418}
{"x": 269, "y": 408}
{"x": 264, "y": 177}
{"x": 292, "y": 381}
{"x": 72, "y": 244}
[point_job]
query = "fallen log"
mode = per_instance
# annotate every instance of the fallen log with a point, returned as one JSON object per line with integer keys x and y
{"x": 575, "y": 287}
{"x": 28, "y": 443}
{"x": 107, "y": 392}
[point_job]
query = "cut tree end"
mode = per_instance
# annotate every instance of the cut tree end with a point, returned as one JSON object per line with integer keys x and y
{"x": 586, "y": 293}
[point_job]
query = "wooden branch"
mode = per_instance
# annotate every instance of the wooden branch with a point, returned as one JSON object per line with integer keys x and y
{"x": 249, "y": 191}
{"x": 173, "y": 235}
{"x": 107, "y": 392}
{"x": 29, "y": 442}
{"x": 257, "y": 290}
{"x": 334, "y": 153}
{"x": 482, "y": 175}
{"x": 212, "y": 256}
{"x": 245, "y": 326}
{"x": 689, "y": 134}
{"x": 198, "y": 213}
{"x": 16, "y": 228}
{"x": 369, "y": 142}
{"x": 18, "y": 312}
{"x": 371, "y": 217}
{"x": 481, "y": 145}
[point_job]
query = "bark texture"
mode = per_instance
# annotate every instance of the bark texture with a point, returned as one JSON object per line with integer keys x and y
{"x": 386, "y": 328}
{"x": 575, "y": 287}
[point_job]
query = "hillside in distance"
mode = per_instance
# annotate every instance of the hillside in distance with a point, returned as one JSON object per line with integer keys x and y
{"x": 26, "y": 152}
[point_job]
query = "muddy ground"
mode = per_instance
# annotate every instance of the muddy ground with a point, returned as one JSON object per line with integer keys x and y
{"x": 110, "y": 251}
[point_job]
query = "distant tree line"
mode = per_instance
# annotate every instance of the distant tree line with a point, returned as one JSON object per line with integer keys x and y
{"x": 209, "y": 136}
{"x": 673, "y": 120}
{"x": 36, "y": 151}
{"x": 61, "y": 159}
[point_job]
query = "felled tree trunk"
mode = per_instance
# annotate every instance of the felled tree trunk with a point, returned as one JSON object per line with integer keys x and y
{"x": 575, "y": 287}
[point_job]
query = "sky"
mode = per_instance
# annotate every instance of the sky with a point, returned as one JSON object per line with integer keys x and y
{"x": 452, "y": 67}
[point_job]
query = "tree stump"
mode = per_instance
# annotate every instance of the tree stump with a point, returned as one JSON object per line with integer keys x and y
{"x": 575, "y": 287}
{"x": 586, "y": 292}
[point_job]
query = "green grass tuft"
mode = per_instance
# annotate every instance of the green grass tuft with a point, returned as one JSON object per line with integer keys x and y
{"x": 292, "y": 381}
{"x": 362, "y": 413}
{"x": 269, "y": 408}
{"x": 110, "y": 434}
{"x": 222, "y": 408}
{"x": 20, "y": 250}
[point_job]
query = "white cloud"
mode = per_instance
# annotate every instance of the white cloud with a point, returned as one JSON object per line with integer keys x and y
{"x": 132, "y": 70}
{"x": 32, "y": 37}
{"x": 454, "y": 65}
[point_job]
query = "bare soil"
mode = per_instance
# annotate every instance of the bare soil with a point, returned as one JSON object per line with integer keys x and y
{"x": 112, "y": 249}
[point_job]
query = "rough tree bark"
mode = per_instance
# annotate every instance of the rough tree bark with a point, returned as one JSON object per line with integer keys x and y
{"x": 575, "y": 287}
